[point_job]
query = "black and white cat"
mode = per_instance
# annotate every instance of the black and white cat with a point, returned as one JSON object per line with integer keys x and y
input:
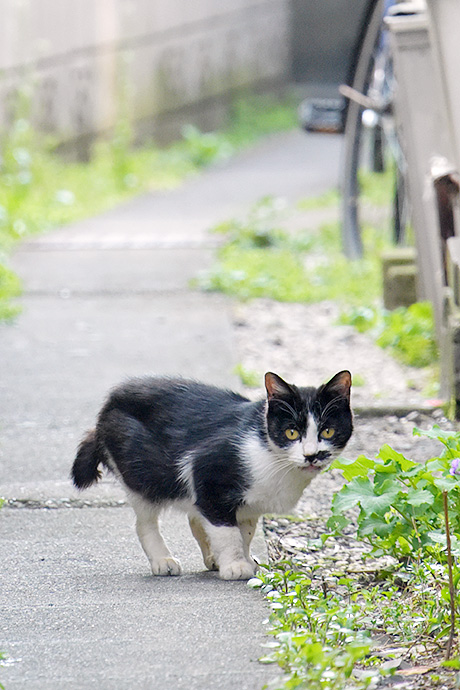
{"x": 216, "y": 455}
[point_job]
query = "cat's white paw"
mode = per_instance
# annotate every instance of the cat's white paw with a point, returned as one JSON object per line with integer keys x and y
{"x": 237, "y": 570}
{"x": 166, "y": 566}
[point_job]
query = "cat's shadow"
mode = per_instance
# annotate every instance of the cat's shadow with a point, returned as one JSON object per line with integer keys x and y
{"x": 186, "y": 581}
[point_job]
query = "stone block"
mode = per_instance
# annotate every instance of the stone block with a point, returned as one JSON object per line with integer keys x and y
{"x": 399, "y": 277}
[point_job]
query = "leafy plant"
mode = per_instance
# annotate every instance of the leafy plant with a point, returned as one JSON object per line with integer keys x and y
{"x": 259, "y": 230}
{"x": 256, "y": 273}
{"x": 409, "y": 510}
{"x": 326, "y": 200}
{"x": 407, "y": 331}
{"x": 249, "y": 378}
{"x": 205, "y": 148}
{"x": 260, "y": 259}
{"x": 10, "y": 287}
{"x": 318, "y": 635}
{"x": 325, "y": 630}
{"x": 401, "y": 501}
{"x": 326, "y": 626}
{"x": 255, "y": 116}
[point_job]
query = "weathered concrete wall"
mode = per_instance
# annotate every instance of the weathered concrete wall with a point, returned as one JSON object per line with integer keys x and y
{"x": 324, "y": 37}
{"x": 158, "y": 57}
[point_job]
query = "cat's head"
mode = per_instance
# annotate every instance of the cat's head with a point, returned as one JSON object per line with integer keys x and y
{"x": 311, "y": 426}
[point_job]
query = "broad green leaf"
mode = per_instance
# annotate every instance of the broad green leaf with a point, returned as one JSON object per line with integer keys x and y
{"x": 374, "y": 524}
{"x": 417, "y": 497}
{"x": 361, "y": 492}
{"x": 404, "y": 545}
{"x": 388, "y": 453}
{"x": 337, "y": 523}
{"x": 444, "y": 483}
{"x": 387, "y": 469}
{"x": 434, "y": 465}
{"x": 437, "y": 433}
{"x": 354, "y": 468}
{"x": 438, "y": 538}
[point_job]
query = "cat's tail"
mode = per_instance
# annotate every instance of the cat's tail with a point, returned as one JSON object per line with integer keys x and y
{"x": 85, "y": 469}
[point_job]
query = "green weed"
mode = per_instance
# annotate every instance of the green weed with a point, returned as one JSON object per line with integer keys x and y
{"x": 327, "y": 200}
{"x": 205, "y": 148}
{"x": 249, "y": 378}
{"x": 10, "y": 287}
{"x": 377, "y": 188}
{"x": 401, "y": 501}
{"x": 408, "y": 332}
{"x": 39, "y": 190}
{"x": 319, "y": 639}
{"x": 260, "y": 259}
{"x": 254, "y": 117}
{"x": 412, "y": 512}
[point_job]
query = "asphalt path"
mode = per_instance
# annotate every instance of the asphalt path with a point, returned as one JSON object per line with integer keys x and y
{"x": 103, "y": 300}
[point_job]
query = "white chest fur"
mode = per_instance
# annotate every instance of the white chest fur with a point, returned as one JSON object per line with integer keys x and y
{"x": 277, "y": 482}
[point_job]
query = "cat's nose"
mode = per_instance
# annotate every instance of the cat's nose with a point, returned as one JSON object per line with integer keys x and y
{"x": 309, "y": 458}
{"x": 309, "y": 448}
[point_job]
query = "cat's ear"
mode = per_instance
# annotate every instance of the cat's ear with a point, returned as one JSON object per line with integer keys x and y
{"x": 276, "y": 387}
{"x": 339, "y": 385}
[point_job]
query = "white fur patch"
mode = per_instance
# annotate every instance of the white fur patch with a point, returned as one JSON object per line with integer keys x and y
{"x": 309, "y": 443}
{"x": 278, "y": 479}
{"x": 228, "y": 547}
{"x": 186, "y": 474}
{"x": 147, "y": 528}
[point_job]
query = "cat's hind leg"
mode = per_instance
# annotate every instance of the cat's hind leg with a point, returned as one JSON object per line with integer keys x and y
{"x": 148, "y": 531}
{"x": 202, "y": 538}
{"x": 227, "y": 546}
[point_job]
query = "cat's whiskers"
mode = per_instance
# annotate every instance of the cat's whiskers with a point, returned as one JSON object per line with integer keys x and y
{"x": 287, "y": 466}
{"x": 285, "y": 404}
{"x": 331, "y": 405}
{"x": 292, "y": 467}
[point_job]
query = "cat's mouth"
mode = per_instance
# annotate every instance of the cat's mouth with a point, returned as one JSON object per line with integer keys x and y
{"x": 318, "y": 461}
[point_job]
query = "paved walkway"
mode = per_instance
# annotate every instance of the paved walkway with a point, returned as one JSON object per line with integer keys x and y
{"x": 105, "y": 299}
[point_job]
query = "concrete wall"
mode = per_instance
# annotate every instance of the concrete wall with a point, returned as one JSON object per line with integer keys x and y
{"x": 323, "y": 40}
{"x": 159, "y": 58}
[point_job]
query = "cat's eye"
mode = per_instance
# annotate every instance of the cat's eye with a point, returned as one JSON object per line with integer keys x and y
{"x": 292, "y": 434}
{"x": 327, "y": 433}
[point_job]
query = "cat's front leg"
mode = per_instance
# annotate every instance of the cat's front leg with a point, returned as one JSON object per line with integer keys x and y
{"x": 248, "y": 529}
{"x": 229, "y": 550}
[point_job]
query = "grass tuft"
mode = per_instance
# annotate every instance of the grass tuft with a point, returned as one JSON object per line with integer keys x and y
{"x": 39, "y": 190}
{"x": 260, "y": 259}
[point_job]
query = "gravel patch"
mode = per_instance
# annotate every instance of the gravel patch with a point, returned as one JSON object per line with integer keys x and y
{"x": 304, "y": 344}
